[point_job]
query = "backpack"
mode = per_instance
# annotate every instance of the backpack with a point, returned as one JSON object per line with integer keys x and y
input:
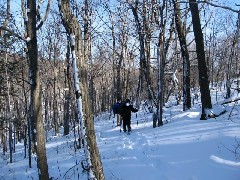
{"x": 117, "y": 108}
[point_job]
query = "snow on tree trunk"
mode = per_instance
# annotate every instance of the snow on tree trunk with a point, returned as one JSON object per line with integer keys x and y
{"x": 72, "y": 26}
{"x": 79, "y": 108}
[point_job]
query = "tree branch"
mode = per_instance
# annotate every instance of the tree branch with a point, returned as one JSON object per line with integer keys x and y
{"x": 46, "y": 15}
{"x": 13, "y": 33}
{"x": 215, "y": 5}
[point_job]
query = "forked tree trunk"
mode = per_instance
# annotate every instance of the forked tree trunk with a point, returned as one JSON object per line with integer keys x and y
{"x": 144, "y": 67}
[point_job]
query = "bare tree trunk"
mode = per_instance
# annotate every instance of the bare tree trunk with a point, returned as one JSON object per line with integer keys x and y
{"x": 3, "y": 135}
{"x": 9, "y": 116}
{"x": 27, "y": 117}
{"x": 37, "y": 120}
{"x": 8, "y": 107}
{"x": 116, "y": 90}
{"x": 237, "y": 57}
{"x": 118, "y": 76}
{"x": 229, "y": 73}
{"x": 161, "y": 62}
{"x": 144, "y": 68}
{"x": 87, "y": 48}
{"x": 121, "y": 74}
{"x": 72, "y": 26}
{"x": 161, "y": 59}
{"x": 55, "y": 106}
{"x": 67, "y": 95}
{"x": 202, "y": 67}
{"x": 185, "y": 56}
{"x": 148, "y": 21}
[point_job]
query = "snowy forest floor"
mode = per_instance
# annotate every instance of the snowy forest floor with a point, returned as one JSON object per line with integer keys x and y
{"x": 184, "y": 148}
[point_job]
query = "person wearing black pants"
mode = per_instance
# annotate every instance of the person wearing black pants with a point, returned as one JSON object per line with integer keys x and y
{"x": 126, "y": 110}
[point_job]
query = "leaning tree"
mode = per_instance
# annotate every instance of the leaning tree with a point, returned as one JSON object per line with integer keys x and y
{"x": 85, "y": 115}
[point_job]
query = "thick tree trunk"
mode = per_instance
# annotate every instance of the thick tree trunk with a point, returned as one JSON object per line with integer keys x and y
{"x": 87, "y": 49}
{"x": 185, "y": 56}
{"x": 202, "y": 67}
{"x": 37, "y": 121}
{"x": 72, "y": 27}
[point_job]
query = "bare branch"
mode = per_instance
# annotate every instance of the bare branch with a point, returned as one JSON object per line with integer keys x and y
{"x": 2, "y": 28}
{"x": 23, "y": 9}
{"x": 46, "y": 15}
{"x": 215, "y": 5}
{"x": 231, "y": 101}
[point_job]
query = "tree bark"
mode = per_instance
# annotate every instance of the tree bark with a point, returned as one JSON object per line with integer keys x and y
{"x": 116, "y": 89}
{"x": 144, "y": 67}
{"x": 229, "y": 73}
{"x": 9, "y": 115}
{"x": 67, "y": 95}
{"x": 72, "y": 26}
{"x": 202, "y": 67}
{"x": 161, "y": 60}
{"x": 185, "y": 56}
{"x": 37, "y": 120}
{"x": 55, "y": 103}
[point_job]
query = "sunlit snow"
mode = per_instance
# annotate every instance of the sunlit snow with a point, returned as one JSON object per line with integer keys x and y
{"x": 184, "y": 148}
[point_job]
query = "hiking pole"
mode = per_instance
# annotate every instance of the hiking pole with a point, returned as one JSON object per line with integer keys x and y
{"x": 120, "y": 124}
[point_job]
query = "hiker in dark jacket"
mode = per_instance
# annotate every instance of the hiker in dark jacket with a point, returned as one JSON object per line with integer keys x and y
{"x": 125, "y": 113}
{"x": 116, "y": 110}
{"x": 117, "y": 106}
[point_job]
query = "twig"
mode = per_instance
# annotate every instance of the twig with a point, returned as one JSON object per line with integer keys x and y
{"x": 230, "y": 114}
{"x": 215, "y": 5}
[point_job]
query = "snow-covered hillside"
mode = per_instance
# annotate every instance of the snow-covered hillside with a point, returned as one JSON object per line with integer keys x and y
{"x": 185, "y": 148}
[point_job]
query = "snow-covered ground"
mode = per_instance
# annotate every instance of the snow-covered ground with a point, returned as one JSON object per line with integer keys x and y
{"x": 184, "y": 148}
